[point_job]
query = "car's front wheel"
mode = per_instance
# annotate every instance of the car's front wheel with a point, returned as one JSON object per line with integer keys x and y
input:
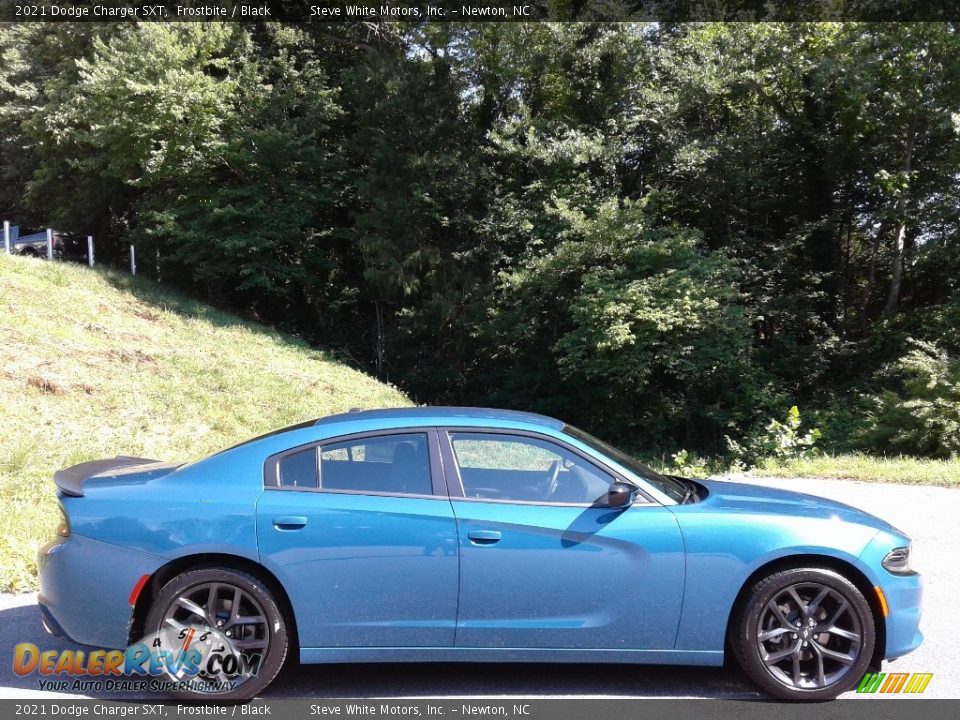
{"x": 232, "y": 624}
{"x": 804, "y": 634}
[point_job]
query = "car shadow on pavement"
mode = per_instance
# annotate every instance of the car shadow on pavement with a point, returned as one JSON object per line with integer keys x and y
{"x": 21, "y": 623}
{"x": 456, "y": 680}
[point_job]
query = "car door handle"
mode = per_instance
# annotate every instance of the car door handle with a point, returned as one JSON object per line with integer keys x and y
{"x": 484, "y": 537}
{"x": 289, "y": 522}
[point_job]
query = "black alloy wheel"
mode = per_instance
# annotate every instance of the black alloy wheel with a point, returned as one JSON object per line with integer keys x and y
{"x": 235, "y": 623}
{"x": 804, "y": 634}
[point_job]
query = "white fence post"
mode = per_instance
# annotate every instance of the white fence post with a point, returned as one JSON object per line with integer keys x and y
{"x": 6, "y": 236}
{"x": 49, "y": 244}
{"x": 133, "y": 261}
{"x": 90, "y": 250}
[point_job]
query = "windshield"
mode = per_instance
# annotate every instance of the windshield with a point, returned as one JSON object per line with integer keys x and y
{"x": 673, "y": 489}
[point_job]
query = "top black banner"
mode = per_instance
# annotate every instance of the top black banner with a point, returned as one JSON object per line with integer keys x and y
{"x": 411, "y": 11}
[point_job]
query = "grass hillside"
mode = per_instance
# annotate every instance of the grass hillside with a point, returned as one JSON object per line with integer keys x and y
{"x": 96, "y": 363}
{"x": 900, "y": 469}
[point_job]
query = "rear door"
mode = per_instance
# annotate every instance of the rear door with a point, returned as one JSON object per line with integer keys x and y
{"x": 544, "y": 562}
{"x": 362, "y": 535}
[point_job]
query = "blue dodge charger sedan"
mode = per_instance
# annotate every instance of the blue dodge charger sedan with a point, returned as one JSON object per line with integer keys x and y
{"x": 463, "y": 534}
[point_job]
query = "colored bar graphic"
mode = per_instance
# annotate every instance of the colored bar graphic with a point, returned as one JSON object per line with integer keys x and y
{"x": 894, "y": 683}
{"x": 870, "y": 682}
{"x": 918, "y": 683}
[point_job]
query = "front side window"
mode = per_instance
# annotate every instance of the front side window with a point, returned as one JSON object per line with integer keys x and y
{"x": 495, "y": 466}
{"x": 664, "y": 483}
{"x": 394, "y": 464}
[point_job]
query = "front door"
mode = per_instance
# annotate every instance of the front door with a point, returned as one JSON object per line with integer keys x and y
{"x": 362, "y": 543}
{"x": 544, "y": 563}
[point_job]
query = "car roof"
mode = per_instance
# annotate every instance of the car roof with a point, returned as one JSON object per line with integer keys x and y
{"x": 384, "y": 418}
{"x": 445, "y": 416}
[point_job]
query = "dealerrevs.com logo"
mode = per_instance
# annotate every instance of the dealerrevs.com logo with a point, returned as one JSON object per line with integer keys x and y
{"x": 195, "y": 658}
{"x": 894, "y": 682}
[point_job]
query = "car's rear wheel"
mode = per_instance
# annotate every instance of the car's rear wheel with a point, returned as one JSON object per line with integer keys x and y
{"x": 234, "y": 624}
{"x": 804, "y": 634}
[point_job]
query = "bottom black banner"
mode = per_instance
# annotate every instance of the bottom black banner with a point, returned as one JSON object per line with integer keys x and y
{"x": 866, "y": 708}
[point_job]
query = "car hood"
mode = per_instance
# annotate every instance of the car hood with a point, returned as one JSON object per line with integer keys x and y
{"x": 742, "y": 497}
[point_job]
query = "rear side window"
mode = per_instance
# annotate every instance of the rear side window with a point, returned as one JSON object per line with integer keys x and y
{"x": 392, "y": 464}
{"x": 299, "y": 470}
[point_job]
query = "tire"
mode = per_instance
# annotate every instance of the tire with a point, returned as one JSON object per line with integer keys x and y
{"x": 255, "y": 625}
{"x": 826, "y": 654}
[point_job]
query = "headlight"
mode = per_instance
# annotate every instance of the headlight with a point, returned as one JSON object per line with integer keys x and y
{"x": 897, "y": 561}
{"x": 63, "y": 527}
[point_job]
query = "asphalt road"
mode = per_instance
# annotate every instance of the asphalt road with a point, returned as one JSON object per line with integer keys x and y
{"x": 929, "y": 515}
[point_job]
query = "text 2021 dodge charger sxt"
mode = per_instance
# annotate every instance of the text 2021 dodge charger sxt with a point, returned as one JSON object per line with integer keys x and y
{"x": 458, "y": 534}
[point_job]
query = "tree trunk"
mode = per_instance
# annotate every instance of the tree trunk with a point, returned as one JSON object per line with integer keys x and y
{"x": 871, "y": 277}
{"x": 381, "y": 348}
{"x": 901, "y": 217}
{"x": 845, "y": 234}
{"x": 896, "y": 281}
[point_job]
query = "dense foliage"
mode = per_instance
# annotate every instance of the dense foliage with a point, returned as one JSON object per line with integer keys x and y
{"x": 920, "y": 412}
{"x": 666, "y": 234}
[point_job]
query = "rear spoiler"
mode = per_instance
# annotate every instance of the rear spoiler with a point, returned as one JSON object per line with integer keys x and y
{"x": 70, "y": 480}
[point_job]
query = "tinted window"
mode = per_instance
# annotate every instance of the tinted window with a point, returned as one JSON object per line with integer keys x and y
{"x": 511, "y": 467}
{"x": 666, "y": 484}
{"x": 396, "y": 464}
{"x": 299, "y": 469}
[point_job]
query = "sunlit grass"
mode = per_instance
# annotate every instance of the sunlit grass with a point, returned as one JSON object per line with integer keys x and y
{"x": 96, "y": 364}
{"x": 853, "y": 466}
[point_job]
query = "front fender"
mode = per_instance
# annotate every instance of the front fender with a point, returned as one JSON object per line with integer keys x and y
{"x": 723, "y": 551}
{"x": 903, "y": 595}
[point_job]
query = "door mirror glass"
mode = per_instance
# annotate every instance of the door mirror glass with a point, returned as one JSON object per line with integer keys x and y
{"x": 620, "y": 495}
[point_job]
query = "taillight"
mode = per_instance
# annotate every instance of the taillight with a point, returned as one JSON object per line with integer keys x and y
{"x": 63, "y": 527}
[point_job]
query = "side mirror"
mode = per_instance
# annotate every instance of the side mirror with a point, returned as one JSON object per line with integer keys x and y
{"x": 620, "y": 495}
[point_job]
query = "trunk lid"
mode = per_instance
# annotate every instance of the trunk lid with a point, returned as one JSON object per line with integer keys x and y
{"x": 70, "y": 480}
